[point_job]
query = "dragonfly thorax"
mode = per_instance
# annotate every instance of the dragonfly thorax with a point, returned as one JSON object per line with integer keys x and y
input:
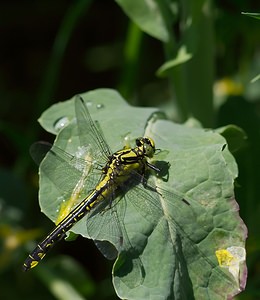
{"x": 123, "y": 163}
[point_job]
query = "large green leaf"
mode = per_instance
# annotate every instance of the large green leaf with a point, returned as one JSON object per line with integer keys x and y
{"x": 170, "y": 237}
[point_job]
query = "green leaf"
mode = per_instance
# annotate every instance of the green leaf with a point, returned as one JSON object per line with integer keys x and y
{"x": 253, "y": 15}
{"x": 235, "y": 137}
{"x": 257, "y": 77}
{"x": 170, "y": 237}
{"x": 182, "y": 57}
{"x": 147, "y": 15}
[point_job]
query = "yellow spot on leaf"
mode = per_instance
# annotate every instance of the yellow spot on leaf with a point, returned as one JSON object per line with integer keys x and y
{"x": 224, "y": 257}
{"x": 231, "y": 258}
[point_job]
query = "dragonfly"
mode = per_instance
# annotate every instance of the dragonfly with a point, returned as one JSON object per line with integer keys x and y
{"x": 119, "y": 169}
{"x": 106, "y": 184}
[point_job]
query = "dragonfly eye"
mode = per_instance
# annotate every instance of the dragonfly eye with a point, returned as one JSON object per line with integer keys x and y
{"x": 148, "y": 147}
{"x": 139, "y": 142}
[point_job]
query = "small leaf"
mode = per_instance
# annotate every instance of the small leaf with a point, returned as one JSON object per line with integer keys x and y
{"x": 147, "y": 15}
{"x": 257, "y": 77}
{"x": 182, "y": 57}
{"x": 234, "y": 135}
{"x": 252, "y": 15}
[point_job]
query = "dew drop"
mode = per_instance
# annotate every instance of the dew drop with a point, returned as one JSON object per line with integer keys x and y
{"x": 99, "y": 106}
{"x": 60, "y": 123}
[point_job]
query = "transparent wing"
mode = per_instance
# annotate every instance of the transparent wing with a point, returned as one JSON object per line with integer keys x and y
{"x": 58, "y": 161}
{"x": 107, "y": 249}
{"x": 39, "y": 150}
{"x": 106, "y": 223}
{"x": 89, "y": 131}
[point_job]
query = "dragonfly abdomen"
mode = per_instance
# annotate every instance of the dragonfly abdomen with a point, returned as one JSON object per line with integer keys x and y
{"x": 60, "y": 230}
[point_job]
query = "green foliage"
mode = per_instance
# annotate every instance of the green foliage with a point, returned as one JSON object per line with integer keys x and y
{"x": 148, "y": 17}
{"x": 252, "y": 15}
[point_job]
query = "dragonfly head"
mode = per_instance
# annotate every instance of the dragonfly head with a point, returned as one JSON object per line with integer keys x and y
{"x": 146, "y": 145}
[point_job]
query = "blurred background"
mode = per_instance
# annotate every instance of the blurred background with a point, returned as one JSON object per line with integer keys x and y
{"x": 52, "y": 50}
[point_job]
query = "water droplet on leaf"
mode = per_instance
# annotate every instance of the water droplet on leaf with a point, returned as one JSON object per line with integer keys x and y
{"x": 60, "y": 123}
{"x": 100, "y": 106}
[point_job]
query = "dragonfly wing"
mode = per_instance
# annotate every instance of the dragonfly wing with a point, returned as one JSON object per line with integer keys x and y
{"x": 59, "y": 162}
{"x": 89, "y": 131}
{"x": 39, "y": 150}
{"x": 106, "y": 224}
{"x": 107, "y": 249}
{"x": 103, "y": 224}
